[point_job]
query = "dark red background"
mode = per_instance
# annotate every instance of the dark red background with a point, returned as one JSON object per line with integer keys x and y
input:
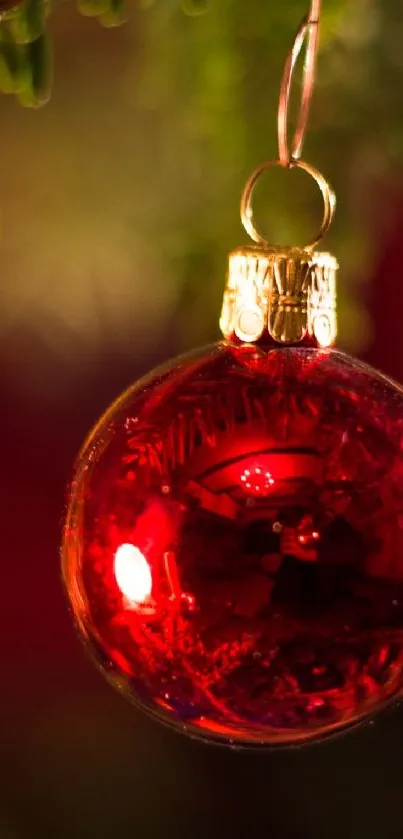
{"x": 77, "y": 760}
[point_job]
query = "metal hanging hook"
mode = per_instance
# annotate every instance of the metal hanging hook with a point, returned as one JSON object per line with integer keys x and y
{"x": 309, "y": 32}
{"x": 290, "y": 158}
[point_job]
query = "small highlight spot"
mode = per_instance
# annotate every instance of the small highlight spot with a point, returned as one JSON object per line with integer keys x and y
{"x": 133, "y": 574}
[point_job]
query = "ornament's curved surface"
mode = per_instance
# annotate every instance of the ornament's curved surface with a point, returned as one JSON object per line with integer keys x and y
{"x": 233, "y": 549}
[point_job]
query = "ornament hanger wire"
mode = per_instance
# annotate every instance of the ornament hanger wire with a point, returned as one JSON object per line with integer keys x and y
{"x": 290, "y": 158}
{"x": 309, "y": 32}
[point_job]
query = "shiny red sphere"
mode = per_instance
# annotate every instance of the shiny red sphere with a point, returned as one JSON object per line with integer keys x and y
{"x": 233, "y": 549}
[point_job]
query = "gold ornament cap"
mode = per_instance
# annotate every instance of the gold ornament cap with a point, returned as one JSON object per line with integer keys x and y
{"x": 283, "y": 295}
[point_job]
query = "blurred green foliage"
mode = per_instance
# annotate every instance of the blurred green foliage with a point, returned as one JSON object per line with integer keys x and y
{"x": 25, "y": 49}
{"x": 151, "y": 133}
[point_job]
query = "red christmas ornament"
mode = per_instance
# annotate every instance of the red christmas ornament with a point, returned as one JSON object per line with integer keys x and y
{"x": 255, "y": 614}
{"x": 233, "y": 550}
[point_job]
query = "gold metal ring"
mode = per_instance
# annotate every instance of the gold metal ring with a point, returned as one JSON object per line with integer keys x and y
{"x": 329, "y": 200}
{"x": 285, "y": 155}
{"x": 308, "y": 31}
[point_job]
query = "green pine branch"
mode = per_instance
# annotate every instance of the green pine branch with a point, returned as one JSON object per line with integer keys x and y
{"x": 26, "y": 58}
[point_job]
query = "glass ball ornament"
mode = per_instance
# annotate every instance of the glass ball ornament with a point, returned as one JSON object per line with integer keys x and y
{"x": 233, "y": 548}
